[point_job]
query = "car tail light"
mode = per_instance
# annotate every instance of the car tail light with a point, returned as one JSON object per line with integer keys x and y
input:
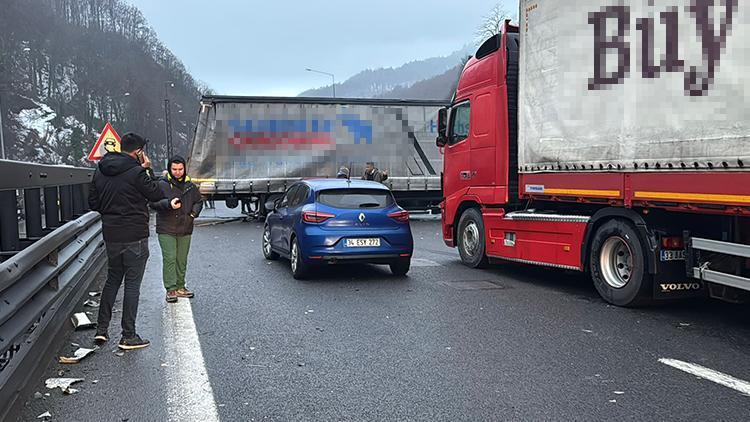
{"x": 673, "y": 242}
{"x": 316, "y": 217}
{"x": 400, "y": 216}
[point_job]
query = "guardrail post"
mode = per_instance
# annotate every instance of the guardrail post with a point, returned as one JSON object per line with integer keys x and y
{"x": 9, "y": 241}
{"x": 51, "y": 207}
{"x": 33, "y": 202}
{"x": 79, "y": 206}
{"x": 66, "y": 203}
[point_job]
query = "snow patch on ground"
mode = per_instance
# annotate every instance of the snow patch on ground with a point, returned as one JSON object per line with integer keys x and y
{"x": 38, "y": 119}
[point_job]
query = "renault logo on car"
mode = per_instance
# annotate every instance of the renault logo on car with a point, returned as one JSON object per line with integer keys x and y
{"x": 361, "y": 217}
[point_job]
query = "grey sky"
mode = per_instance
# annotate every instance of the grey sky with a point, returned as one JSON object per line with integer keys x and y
{"x": 262, "y": 47}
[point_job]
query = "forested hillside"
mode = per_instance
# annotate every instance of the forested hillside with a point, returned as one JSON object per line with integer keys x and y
{"x": 68, "y": 66}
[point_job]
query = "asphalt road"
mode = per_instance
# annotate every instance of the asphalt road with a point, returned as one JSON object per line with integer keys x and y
{"x": 445, "y": 343}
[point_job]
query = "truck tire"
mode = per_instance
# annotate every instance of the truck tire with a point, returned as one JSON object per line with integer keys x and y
{"x": 618, "y": 265}
{"x": 471, "y": 239}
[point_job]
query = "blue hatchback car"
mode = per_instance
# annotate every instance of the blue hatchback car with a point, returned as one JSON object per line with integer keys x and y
{"x": 329, "y": 221}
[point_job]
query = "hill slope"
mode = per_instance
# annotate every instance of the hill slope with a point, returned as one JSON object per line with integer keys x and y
{"x": 68, "y": 66}
{"x": 374, "y": 83}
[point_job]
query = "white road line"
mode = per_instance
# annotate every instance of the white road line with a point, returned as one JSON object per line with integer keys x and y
{"x": 189, "y": 393}
{"x": 709, "y": 374}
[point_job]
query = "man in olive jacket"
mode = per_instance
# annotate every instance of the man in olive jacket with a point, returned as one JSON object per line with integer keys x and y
{"x": 175, "y": 226}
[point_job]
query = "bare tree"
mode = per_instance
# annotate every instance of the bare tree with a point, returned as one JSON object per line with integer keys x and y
{"x": 492, "y": 24}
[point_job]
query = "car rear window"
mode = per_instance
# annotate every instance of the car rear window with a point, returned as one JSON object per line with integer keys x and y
{"x": 356, "y": 198}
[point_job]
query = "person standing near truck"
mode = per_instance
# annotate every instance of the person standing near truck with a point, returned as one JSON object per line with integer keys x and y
{"x": 373, "y": 173}
{"x": 175, "y": 227}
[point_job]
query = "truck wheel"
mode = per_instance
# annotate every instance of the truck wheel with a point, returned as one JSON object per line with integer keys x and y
{"x": 618, "y": 265}
{"x": 299, "y": 267}
{"x": 268, "y": 252}
{"x": 471, "y": 242}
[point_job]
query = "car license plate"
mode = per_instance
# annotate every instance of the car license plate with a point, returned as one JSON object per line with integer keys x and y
{"x": 363, "y": 243}
{"x": 672, "y": 255}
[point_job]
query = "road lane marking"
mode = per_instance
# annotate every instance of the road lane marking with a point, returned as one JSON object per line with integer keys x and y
{"x": 709, "y": 374}
{"x": 190, "y": 396}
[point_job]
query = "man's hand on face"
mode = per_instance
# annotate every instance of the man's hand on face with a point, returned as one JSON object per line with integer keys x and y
{"x": 145, "y": 161}
{"x": 176, "y": 203}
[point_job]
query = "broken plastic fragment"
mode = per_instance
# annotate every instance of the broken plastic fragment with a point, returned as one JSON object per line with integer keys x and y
{"x": 70, "y": 391}
{"x": 81, "y": 321}
{"x": 94, "y": 294}
{"x": 62, "y": 383}
{"x": 78, "y": 355}
{"x": 619, "y": 392}
{"x": 44, "y": 415}
{"x": 587, "y": 331}
{"x": 91, "y": 303}
{"x": 613, "y": 401}
{"x": 119, "y": 353}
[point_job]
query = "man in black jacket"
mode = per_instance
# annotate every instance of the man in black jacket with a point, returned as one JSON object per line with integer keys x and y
{"x": 175, "y": 227}
{"x": 120, "y": 191}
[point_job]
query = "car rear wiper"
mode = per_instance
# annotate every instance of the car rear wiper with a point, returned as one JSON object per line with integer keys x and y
{"x": 369, "y": 205}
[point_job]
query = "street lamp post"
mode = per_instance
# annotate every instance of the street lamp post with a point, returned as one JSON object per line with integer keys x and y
{"x": 2, "y": 137}
{"x": 333, "y": 79}
{"x": 167, "y": 119}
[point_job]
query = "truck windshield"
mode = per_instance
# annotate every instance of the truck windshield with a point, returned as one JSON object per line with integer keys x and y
{"x": 356, "y": 198}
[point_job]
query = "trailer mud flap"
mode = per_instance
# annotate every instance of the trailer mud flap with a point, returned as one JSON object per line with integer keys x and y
{"x": 670, "y": 280}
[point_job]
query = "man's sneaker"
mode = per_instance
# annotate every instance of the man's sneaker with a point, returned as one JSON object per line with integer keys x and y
{"x": 100, "y": 338}
{"x": 132, "y": 343}
{"x": 184, "y": 292}
{"x": 172, "y": 296}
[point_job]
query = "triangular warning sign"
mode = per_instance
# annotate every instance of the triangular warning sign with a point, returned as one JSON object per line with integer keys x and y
{"x": 109, "y": 141}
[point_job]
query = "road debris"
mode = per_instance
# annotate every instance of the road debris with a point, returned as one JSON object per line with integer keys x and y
{"x": 164, "y": 365}
{"x": 94, "y": 294}
{"x": 119, "y": 353}
{"x": 619, "y": 392}
{"x": 91, "y": 303}
{"x": 81, "y": 321}
{"x": 45, "y": 415}
{"x": 613, "y": 401}
{"x": 684, "y": 324}
{"x": 38, "y": 395}
{"x": 587, "y": 331}
{"x": 78, "y": 355}
{"x": 63, "y": 384}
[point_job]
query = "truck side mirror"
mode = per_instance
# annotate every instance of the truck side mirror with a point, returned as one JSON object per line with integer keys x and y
{"x": 442, "y": 140}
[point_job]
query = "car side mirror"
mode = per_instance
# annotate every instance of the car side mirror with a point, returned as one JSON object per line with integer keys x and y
{"x": 272, "y": 205}
{"x": 442, "y": 139}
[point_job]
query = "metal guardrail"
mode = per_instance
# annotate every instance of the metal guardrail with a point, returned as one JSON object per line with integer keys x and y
{"x": 51, "y": 196}
{"x": 45, "y": 274}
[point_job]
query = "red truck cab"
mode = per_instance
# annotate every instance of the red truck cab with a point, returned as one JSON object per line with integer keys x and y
{"x": 641, "y": 236}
